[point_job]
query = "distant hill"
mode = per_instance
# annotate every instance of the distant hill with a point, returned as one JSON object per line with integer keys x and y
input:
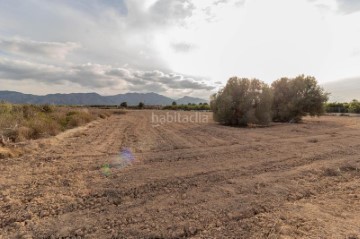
{"x": 94, "y": 99}
{"x": 186, "y": 100}
{"x": 343, "y": 90}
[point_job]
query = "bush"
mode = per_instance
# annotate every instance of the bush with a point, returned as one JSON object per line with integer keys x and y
{"x": 354, "y": 107}
{"x": 141, "y": 105}
{"x": 295, "y": 98}
{"x": 78, "y": 118}
{"x": 43, "y": 126}
{"x": 199, "y": 107}
{"x": 336, "y": 107}
{"x": 48, "y": 108}
{"x": 21, "y": 122}
{"x": 242, "y": 102}
{"x": 123, "y": 105}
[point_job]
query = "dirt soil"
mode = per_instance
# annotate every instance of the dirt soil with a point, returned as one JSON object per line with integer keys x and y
{"x": 188, "y": 180}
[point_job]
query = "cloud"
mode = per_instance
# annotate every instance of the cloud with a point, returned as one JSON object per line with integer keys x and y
{"x": 158, "y": 15}
{"x": 159, "y": 78}
{"x": 348, "y": 6}
{"x": 57, "y": 50}
{"x": 165, "y": 11}
{"x": 355, "y": 52}
{"x": 343, "y": 90}
{"x": 97, "y": 76}
{"x": 339, "y": 6}
{"x": 162, "y": 44}
{"x": 89, "y": 75}
{"x": 188, "y": 83}
{"x": 220, "y": 2}
{"x": 182, "y": 47}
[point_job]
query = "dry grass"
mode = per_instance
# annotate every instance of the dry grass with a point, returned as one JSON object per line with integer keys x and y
{"x": 23, "y": 122}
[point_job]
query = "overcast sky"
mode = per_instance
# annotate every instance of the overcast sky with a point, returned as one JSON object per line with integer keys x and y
{"x": 173, "y": 47}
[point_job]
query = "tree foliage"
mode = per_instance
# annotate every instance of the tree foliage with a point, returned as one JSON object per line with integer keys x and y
{"x": 250, "y": 101}
{"x": 241, "y": 102}
{"x": 199, "y": 107}
{"x": 297, "y": 97}
{"x": 354, "y": 107}
{"x": 141, "y": 105}
{"x": 124, "y": 105}
{"x": 336, "y": 107}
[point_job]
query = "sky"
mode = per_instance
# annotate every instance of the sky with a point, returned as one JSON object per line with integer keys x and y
{"x": 173, "y": 47}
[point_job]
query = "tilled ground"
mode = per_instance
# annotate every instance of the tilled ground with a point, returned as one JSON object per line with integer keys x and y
{"x": 189, "y": 180}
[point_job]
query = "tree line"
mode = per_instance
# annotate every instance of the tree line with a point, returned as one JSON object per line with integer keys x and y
{"x": 174, "y": 106}
{"x": 251, "y": 101}
{"x": 351, "y": 107}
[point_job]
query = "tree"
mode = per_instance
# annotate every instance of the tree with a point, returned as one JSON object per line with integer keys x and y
{"x": 354, "y": 107}
{"x": 123, "y": 105}
{"x": 141, "y": 105}
{"x": 241, "y": 102}
{"x": 295, "y": 98}
{"x": 174, "y": 103}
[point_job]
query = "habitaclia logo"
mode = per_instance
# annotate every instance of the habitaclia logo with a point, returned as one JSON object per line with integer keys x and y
{"x": 158, "y": 119}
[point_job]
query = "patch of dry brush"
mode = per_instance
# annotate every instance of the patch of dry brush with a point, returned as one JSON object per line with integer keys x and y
{"x": 23, "y": 122}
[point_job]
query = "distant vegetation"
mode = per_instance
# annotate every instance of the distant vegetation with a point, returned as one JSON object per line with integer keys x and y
{"x": 243, "y": 101}
{"x": 351, "y": 107}
{"x": 188, "y": 107}
{"x": 141, "y": 105}
{"x": 21, "y": 122}
{"x": 124, "y": 105}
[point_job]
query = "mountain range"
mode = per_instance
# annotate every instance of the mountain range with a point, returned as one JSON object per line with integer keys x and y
{"x": 343, "y": 90}
{"x": 95, "y": 99}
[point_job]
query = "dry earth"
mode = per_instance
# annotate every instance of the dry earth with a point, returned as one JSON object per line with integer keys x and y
{"x": 191, "y": 180}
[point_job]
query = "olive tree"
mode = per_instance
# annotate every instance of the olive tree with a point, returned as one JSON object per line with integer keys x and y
{"x": 297, "y": 97}
{"x": 241, "y": 102}
{"x": 124, "y": 105}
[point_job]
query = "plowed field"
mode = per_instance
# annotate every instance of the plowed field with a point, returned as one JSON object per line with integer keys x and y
{"x": 188, "y": 180}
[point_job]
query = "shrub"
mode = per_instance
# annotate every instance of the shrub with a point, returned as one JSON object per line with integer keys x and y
{"x": 295, "y": 98}
{"x": 21, "y": 122}
{"x": 30, "y": 111}
{"x": 199, "y": 107}
{"x": 48, "y": 108}
{"x": 124, "y": 105}
{"x": 242, "y": 102}
{"x": 141, "y": 105}
{"x": 336, "y": 107}
{"x": 43, "y": 125}
{"x": 354, "y": 107}
{"x": 5, "y": 108}
{"x": 78, "y": 118}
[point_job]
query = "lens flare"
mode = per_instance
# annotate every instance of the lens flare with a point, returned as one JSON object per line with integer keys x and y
{"x": 120, "y": 161}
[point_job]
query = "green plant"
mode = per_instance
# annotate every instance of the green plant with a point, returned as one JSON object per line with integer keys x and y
{"x": 241, "y": 102}
{"x": 141, "y": 105}
{"x": 295, "y": 98}
{"x": 124, "y": 105}
{"x": 354, "y": 107}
